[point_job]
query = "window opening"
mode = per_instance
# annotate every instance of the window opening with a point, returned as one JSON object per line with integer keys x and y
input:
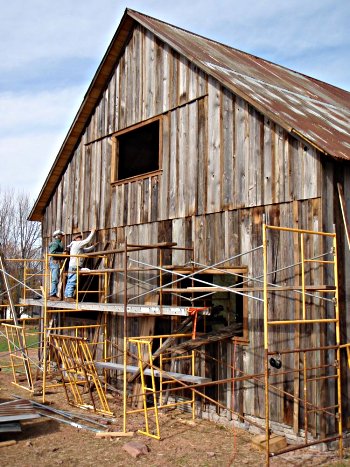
{"x": 137, "y": 151}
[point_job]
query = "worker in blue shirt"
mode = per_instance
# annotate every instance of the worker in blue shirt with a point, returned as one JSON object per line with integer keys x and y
{"x": 55, "y": 247}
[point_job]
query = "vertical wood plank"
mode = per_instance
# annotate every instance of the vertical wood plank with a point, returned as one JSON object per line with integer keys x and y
{"x": 214, "y": 148}
{"x": 202, "y": 155}
{"x": 228, "y": 149}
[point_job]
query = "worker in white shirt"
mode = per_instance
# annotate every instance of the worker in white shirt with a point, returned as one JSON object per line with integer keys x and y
{"x": 76, "y": 247}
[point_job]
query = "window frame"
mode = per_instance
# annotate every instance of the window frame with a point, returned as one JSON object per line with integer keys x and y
{"x": 115, "y": 154}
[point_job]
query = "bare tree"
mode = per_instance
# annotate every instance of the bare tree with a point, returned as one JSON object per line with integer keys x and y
{"x": 20, "y": 239}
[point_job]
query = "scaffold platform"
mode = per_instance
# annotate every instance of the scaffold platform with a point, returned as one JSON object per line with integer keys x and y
{"x": 115, "y": 308}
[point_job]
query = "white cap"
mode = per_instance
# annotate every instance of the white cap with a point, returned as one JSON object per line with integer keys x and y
{"x": 57, "y": 232}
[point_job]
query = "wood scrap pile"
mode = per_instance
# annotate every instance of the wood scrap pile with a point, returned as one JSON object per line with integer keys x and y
{"x": 208, "y": 338}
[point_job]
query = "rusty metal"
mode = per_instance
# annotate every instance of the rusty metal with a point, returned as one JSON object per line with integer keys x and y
{"x": 316, "y": 111}
{"x": 16, "y": 410}
{"x": 305, "y": 319}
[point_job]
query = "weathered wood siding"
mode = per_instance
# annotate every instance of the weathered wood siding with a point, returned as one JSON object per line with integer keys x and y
{"x": 224, "y": 165}
{"x": 218, "y": 153}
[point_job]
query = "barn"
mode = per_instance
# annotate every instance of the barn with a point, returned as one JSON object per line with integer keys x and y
{"x": 187, "y": 143}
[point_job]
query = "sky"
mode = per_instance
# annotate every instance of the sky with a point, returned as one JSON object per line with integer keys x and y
{"x": 50, "y": 51}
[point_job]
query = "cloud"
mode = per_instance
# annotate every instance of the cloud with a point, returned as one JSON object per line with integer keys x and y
{"x": 26, "y": 160}
{"x": 51, "y": 51}
{"x": 32, "y": 128}
{"x": 23, "y": 113}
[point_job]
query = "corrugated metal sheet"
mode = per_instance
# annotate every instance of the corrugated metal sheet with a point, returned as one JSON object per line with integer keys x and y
{"x": 316, "y": 111}
{"x": 17, "y": 410}
{"x": 313, "y": 109}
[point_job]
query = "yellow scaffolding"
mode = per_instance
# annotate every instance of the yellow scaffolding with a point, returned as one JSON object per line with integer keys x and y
{"x": 76, "y": 331}
{"x": 147, "y": 367}
{"x": 18, "y": 353}
{"x": 304, "y": 289}
{"x": 332, "y": 291}
{"x": 78, "y": 372}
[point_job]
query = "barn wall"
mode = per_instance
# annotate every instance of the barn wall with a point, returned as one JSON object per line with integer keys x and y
{"x": 224, "y": 165}
{"x": 218, "y": 152}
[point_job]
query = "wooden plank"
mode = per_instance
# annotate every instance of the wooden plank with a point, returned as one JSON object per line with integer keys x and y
{"x": 192, "y": 81}
{"x": 106, "y": 192}
{"x": 182, "y": 159}
{"x": 344, "y": 213}
{"x": 253, "y": 168}
{"x": 182, "y": 80}
{"x": 310, "y": 163}
{"x": 117, "y": 125}
{"x": 75, "y": 188}
{"x": 173, "y": 172}
{"x": 148, "y": 75}
{"x": 4, "y": 444}
{"x": 159, "y": 85}
{"x": 111, "y": 105}
{"x": 279, "y": 165}
{"x": 122, "y": 92}
{"x": 114, "y": 434}
{"x": 115, "y": 308}
{"x": 214, "y": 148}
{"x": 173, "y": 73}
{"x": 227, "y": 130}
{"x": 242, "y": 147}
{"x": 164, "y": 178}
{"x": 132, "y": 78}
{"x": 154, "y": 198}
{"x": 202, "y": 156}
{"x": 267, "y": 155}
{"x": 178, "y": 236}
{"x": 276, "y": 442}
{"x": 138, "y": 73}
{"x": 191, "y": 161}
{"x": 166, "y": 58}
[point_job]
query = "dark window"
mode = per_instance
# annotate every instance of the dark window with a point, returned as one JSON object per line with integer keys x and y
{"x": 137, "y": 151}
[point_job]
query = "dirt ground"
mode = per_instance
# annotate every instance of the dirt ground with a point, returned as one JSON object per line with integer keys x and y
{"x": 46, "y": 442}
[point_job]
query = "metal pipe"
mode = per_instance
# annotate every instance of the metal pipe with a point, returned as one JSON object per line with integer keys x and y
{"x": 125, "y": 332}
{"x": 301, "y": 231}
{"x": 300, "y": 446}
{"x": 266, "y": 349}
{"x": 337, "y": 335}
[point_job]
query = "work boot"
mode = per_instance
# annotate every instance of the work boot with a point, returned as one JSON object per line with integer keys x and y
{"x": 69, "y": 299}
{"x": 54, "y": 298}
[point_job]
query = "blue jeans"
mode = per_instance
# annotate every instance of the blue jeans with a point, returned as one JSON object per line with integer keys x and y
{"x": 71, "y": 283}
{"x": 55, "y": 276}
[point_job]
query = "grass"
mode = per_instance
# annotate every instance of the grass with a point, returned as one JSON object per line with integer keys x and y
{"x": 31, "y": 339}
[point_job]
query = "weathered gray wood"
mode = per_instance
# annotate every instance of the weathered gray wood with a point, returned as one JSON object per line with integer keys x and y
{"x": 214, "y": 149}
{"x": 192, "y": 161}
{"x": 182, "y": 158}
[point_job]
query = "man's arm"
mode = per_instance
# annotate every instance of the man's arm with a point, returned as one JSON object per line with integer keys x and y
{"x": 88, "y": 239}
{"x": 89, "y": 248}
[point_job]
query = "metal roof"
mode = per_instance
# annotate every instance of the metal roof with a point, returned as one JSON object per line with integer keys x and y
{"x": 316, "y": 111}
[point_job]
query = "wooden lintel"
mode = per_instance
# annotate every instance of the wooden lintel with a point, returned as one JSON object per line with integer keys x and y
{"x": 132, "y": 248}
